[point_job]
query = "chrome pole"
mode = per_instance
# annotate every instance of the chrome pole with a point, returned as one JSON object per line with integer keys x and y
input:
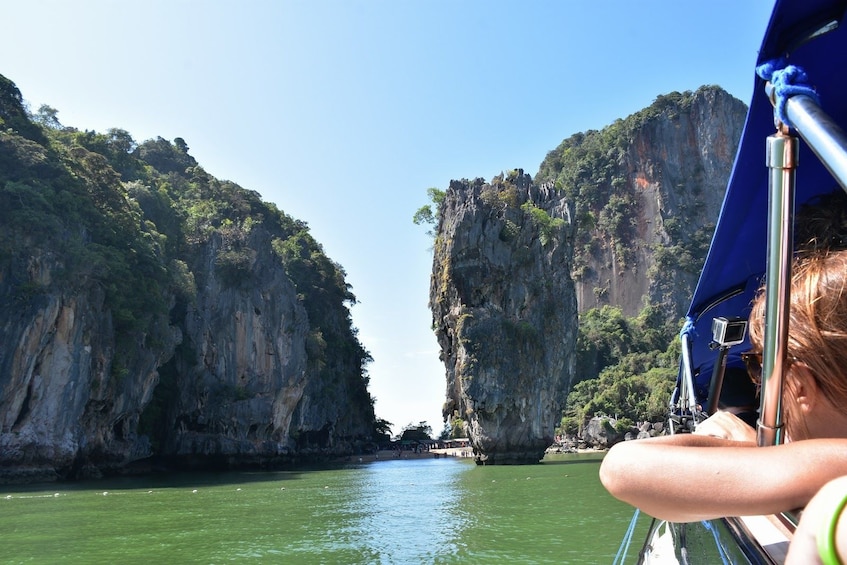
{"x": 690, "y": 401}
{"x": 824, "y": 137}
{"x": 782, "y": 157}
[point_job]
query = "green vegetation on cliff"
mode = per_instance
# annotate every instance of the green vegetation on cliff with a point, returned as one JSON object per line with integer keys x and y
{"x": 604, "y": 171}
{"x": 132, "y": 219}
{"x": 628, "y": 365}
{"x": 625, "y": 365}
{"x": 426, "y": 214}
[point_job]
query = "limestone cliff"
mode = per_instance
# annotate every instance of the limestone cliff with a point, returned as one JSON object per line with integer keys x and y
{"x": 61, "y": 408}
{"x": 152, "y": 313}
{"x": 250, "y": 385}
{"x": 504, "y": 311}
{"x": 647, "y": 189}
{"x": 633, "y": 207}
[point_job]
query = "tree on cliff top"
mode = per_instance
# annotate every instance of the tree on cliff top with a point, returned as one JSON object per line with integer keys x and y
{"x": 425, "y": 214}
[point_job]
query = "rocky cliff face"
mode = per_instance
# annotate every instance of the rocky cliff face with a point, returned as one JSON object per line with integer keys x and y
{"x": 60, "y": 408}
{"x": 647, "y": 189}
{"x": 149, "y": 312}
{"x": 242, "y": 371}
{"x": 247, "y": 391}
{"x": 628, "y": 215}
{"x": 504, "y": 311}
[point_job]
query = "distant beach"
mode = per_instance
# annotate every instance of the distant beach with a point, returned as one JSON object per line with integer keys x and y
{"x": 392, "y": 455}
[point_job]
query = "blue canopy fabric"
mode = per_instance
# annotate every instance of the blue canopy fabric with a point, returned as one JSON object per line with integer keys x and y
{"x": 735, "y": 264}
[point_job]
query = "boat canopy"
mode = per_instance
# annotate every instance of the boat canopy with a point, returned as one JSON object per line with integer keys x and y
{"x": 812, "y": 35}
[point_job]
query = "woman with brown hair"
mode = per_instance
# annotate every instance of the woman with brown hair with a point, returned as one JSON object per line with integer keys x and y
{"x": 718, "y": 470}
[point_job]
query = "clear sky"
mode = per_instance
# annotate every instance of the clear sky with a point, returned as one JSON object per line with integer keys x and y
{"x": 343, "y": 113}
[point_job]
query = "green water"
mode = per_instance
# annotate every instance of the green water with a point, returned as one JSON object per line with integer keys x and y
{"x": 401, "y": 511}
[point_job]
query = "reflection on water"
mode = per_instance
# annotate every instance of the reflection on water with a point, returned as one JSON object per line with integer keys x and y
{"x": 409, "y": 511}
{"x": 399, "y": 511}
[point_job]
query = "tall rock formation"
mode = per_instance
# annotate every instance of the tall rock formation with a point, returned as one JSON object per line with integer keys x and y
{"x": 621, "y": 216}
{"x": 152, "y": 313}
{"x": 648, "y": 189}
{"x": 504, "y": 310}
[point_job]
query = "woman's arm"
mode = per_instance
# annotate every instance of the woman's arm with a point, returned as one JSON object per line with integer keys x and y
{"x": 688, "y": 477}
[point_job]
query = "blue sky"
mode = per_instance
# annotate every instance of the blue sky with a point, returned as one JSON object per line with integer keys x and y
{"x": 344, "y": 113}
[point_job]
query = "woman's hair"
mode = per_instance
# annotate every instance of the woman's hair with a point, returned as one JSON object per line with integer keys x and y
{"x": 821, "y": 224}
{"x": 817, "y": 327}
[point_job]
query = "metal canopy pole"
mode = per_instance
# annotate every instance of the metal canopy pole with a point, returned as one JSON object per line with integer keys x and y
{"x": 688, "y": 397}
{"x": 782, "y": 156}
{"x": 825, "y": 137}
{"x": 829, "y": 142}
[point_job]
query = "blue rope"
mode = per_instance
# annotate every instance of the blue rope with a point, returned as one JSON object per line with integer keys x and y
{"x": 721, "y": 549}
{"x": 627, "y": 538}
{"x": 787, "y": 80}
{"x": 688, "y": 328}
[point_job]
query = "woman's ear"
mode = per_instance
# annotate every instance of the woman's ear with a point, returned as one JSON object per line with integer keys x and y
{"x": 805, "y": 387}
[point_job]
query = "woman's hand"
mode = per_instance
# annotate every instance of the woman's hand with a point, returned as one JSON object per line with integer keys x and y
{"x": 726, "y": 425}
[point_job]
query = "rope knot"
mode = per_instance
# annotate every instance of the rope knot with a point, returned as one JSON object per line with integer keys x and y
{"x": 787, "y": 80}
{"x": 688, "y": 328}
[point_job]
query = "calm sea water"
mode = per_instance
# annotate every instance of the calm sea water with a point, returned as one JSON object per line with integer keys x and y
{"x": 401, "y": 511}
